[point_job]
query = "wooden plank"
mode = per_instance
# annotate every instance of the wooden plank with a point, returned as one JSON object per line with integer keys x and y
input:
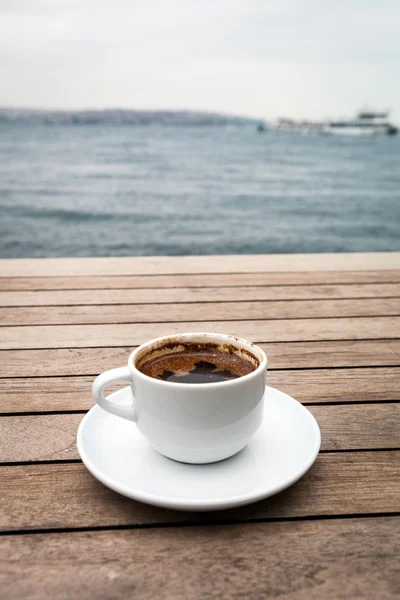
{"x": 56, "y": 496}
{"x": 305, "y": 560}
{"x": 53, "y": 437}
{"x": 44, "y": 394}
{"x": 291, "y": 355}
{"x": 346, "y": 427}
{"x": 293, "y": 330}
{"x": 40, "y": 437}
{"x": 197, "y": 311}
{"x": 210, "y": 294}
{"x": 338, "y": 385}
{"x": 197, "y": 280}
{"x": 148, "y": 265}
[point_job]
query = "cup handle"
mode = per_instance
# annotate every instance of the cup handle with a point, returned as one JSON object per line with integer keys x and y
{"x": 121, "y": 374}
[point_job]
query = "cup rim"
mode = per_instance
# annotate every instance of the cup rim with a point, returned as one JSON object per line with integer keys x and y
{"x": 234, "y": 340}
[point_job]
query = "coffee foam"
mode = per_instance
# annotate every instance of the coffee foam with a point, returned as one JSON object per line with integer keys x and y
{"x": 174, "y": 346}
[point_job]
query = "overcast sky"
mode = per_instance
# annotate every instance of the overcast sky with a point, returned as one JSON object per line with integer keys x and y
{"x": 267, "y": 58}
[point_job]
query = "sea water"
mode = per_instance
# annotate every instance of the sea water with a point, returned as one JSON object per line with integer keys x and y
{"x": 98, "y": 190}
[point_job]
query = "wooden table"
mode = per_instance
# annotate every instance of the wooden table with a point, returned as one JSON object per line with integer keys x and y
{"x": 330, "y": 327}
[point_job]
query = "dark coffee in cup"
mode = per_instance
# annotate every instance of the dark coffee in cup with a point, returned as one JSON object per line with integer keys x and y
{"x": 191, "y": 362}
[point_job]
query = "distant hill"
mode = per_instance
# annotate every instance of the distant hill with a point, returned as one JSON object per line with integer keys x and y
{"x": 121, "y": 116}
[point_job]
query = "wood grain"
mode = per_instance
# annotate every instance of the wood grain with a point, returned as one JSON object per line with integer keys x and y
{"x": 53, "y": 437}
{"x": 333, "y": 560}
{"x": 67, "y": 336}
{"x": 44, "y": 394}
{"x": 149, "y": 265}
{"x": 291, "y": 355}
{"x": 66, "y": 495}
{"x": 203, "y": 294}
{"x": 197, "y": 311}
{"x": 196, "y": 280}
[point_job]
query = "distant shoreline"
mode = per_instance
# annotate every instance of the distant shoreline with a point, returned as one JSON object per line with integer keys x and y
{"x": 121, "y": 116}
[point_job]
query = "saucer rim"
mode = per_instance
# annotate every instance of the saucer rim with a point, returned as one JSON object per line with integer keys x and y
{"x": 176, "y": 503}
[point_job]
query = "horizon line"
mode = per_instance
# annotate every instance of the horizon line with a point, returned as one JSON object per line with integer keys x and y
{"x": 206, "y": 111}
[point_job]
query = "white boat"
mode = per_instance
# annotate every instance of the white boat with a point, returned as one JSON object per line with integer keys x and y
{"x": 366, "y": 123}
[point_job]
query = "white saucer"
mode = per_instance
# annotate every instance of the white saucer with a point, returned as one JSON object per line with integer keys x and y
{"x": 282, "y": 450}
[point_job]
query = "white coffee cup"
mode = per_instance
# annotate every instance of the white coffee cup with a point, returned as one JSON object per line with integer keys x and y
{"x": 191, "y": 422}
